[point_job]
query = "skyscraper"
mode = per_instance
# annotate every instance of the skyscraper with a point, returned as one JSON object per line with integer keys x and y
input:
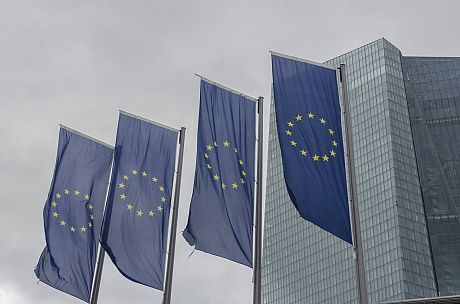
{"x": 433, "y": 98}
{"x": 406, "y": 129}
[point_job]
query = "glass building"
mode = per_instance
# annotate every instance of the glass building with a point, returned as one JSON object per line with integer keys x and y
{"x": 406, "y": 129}
{"x": 433, "y": 99}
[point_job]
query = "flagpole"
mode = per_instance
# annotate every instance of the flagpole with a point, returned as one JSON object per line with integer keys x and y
{"x": 101, "y": 256}
{"x": 258, "y": 215}
{"x": 355, "y": 224}
{"x": 173, "y": 232}
{"x": 97, "y": 278}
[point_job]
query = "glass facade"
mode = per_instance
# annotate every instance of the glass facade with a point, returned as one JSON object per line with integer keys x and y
{"x": 303, "y": 264}
{"x": 433, "y": 98}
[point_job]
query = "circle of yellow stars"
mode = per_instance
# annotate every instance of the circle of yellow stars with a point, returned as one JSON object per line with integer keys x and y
{"x": 234, "y": 184}
{"x": 60, "y": 198}
{"x": 130, "y": 205}
{"x": 324, "y": 157}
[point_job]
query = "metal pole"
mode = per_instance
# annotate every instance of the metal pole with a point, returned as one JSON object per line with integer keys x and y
{"x": 97, "y": 279}
{"x": 258, "y": 219}
{"x": 355, "y": 225}
{"x": 100, "y": 259}
{"x": 173, "y": 232}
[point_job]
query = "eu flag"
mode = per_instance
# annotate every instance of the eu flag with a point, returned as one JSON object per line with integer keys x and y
{"x": 73, "y": 214}
{"x": 136, "y": 219}
{"x": 309, "y": 127}
{"x": 221, "y": 210}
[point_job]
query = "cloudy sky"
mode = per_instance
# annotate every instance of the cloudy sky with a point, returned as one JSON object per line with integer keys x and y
{"x": 79, "y": 62}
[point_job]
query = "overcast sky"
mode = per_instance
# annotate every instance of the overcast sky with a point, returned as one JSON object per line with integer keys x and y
{"x": 78, "y": 62}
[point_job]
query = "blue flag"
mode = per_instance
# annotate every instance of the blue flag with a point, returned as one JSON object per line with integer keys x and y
{"x": 308, "y": 119}
{"x": 221, "y": 210}
{"x": 136, "y": 219}
{"x": 73, "y": 214}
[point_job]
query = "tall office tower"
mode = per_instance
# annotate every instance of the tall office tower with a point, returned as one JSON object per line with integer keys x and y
{"x": 388, "y": 93}
{"x": 433, "y": 98}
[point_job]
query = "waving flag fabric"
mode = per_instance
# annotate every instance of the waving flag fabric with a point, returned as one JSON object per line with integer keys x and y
{"x": 73, "y": 214}
{"x": 137, "y": 214}
{"x": 221, "y": 211}
{"x": 308, "y": 119}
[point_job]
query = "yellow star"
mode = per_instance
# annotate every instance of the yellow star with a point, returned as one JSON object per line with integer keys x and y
{"x": 154, "y": 179}
{"x": 293, "y": 143}
{"x": 333, "y": 153}
{"x": 242, "y": 181}
{"x": 83, "y": 229}
{"x": 226, "y": 144}
{"x": 162, "y": 189}
{"x": 139, "y": 213}
{"x": 86, "y": 197}
{"x": 290, "y": 124}
{"x": 288, "y": 132}
{"x": 331, "y": 132}
{"x": 235, "y": 149}
{"x": 159, "y": 208}
{"x": 334, "y": 143}
{"x": 144, "y": 174}
{"x": 235, "y": 186}
{"x": 121, "y": 185}
{"x": 55, "y": 214}
{"x": 298, "y": 117}
{"x": 325, "y": 158}
{"x": 72, "y": 229}
{"x": 58, "y": 195}
{"x": 209, "y": 147}
{"x": 215, "y": 144}
{"x": 243, "y": 173}
{"x": 90, "y": 207}
{"x": 241, "y": 162}
{"x": 216, "y": 177}
{"x": 206, "y": 155}
{"x": 303, "y": 152}
{"x": 134, "y": 172}
{"x": 163, "y": 199}
{"x": 53, "y": 204}
{"x": 209, "y": 166}
{"x": 315, "y": 157}
{"x": 63, "y": 223}
{"x": 66, "y": 191}
{"x": 130, "y": 207}
{"x": 90, "y": 225}
{"x": 224, "y": 186}
{"x": 76, "y": 192}
{"x": 151, "y": 213}
{"x": 125, "y": 177}
{"x": 91, "y": 217}
{"x": 322, "y": 121}
{"x": 122, "y": 196}
{"x": 310, "y": 115}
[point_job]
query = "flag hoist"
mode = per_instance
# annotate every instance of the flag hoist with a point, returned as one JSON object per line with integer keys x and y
{"x": 222, "y": 213}
{"x": 73, "y": 213}
{"x": 136, "y": 220}
{"x": 309, "y": 124}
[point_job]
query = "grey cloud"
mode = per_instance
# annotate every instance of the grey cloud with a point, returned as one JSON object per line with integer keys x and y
{"x": 78, "y": 62}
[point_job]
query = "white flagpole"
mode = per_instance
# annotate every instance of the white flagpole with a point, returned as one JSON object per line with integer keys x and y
{"x": 173, "y": 232}
{"x": 258, "y": 214}
{"x": 97, "y": 279}
{"x": 355, "y": 224}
